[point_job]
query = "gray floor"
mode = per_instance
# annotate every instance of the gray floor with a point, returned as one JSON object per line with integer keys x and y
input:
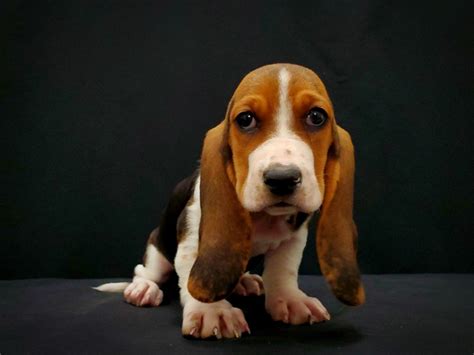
{"x": 404, "y": 314}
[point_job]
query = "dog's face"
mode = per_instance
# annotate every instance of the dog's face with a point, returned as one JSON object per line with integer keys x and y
{"x": 280, "y": 129}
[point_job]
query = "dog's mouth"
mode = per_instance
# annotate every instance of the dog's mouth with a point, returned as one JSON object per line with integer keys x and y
{"x": 281, "y": 208}
{"x": 281, "y": 204}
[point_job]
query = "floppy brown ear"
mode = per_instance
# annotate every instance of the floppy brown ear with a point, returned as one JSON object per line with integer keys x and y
{"x": 224, "y": 233}
{"x": 336, "y": 233}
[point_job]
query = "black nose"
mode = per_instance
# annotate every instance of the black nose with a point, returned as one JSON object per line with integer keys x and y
{"x": 282, "y": 179}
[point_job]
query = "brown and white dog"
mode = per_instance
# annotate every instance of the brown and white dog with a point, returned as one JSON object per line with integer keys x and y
{"x": 276, "y": 158}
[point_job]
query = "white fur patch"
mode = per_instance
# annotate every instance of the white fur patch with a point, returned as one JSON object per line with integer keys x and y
{"x": 282, "y": 264}
{"x": 156, "y": 268}
{"x": 269, "y": 232}
{"x": 284, "y": 113}
{"x": 284, "y": 301}
{"x": 187, "y": 249}
{"x": 112, "y": 287}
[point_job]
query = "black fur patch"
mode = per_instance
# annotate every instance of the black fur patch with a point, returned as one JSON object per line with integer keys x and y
{"x": 297, "y": 220}
{"x": 167, "y": 239}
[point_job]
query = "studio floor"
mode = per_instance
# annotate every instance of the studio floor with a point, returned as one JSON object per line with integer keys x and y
{"x": 404, "y": 314}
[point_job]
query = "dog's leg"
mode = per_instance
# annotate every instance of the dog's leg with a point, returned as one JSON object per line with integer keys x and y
{"x": 202, "y": 320}
{"x": 284, "y": 301}
{"x": 144, "y": 289}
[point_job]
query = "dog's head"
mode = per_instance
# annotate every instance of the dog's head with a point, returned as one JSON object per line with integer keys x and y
{"x": 279, "y": 151}
{"x": 281, "y": 126}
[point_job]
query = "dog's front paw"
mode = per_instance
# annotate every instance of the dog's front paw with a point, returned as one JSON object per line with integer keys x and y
{"x": 250, "y": 284}
{"x": 219, "y": 319}
{"x": 142, "y": 292}
{"x": 295, "y": 307}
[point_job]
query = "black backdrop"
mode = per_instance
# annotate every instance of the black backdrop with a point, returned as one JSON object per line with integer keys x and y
{"x": 104, "y": 105}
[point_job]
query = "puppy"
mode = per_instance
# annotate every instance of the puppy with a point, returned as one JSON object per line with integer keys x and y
{"x": 276, "y": 159}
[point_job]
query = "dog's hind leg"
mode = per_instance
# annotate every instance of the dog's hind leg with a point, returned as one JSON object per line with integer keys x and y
{"x": 145, "y": 290}
{"x": 161, "y": 248}
{"x": 155, "y": 270}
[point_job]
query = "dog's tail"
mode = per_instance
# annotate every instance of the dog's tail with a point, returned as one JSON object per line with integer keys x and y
{"x": 112, "y": 287}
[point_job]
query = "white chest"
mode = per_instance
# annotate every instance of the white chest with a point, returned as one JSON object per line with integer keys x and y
{"x": 269, "y": 232}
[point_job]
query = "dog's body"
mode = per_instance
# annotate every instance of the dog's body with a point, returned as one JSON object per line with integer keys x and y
{"x": 277, "y": 158}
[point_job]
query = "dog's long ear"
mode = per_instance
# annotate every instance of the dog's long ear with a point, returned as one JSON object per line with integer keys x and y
{"x": 336, "y": 232}
{"x": 224, "y": 233}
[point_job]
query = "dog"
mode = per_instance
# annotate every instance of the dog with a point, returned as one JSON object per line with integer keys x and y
{"x": 276, "y": 159}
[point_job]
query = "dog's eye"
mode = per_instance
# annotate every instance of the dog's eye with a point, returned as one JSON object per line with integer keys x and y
{"x": 316, "y": 117}
{"x": 246, "y": 121}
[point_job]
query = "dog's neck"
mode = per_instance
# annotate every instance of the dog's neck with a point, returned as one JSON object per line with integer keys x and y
{"x": 268, "y": 232}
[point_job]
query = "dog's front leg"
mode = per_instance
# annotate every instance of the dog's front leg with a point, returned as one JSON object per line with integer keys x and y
{"x": 203, "y": 320}
{"x": 284, "y": 300}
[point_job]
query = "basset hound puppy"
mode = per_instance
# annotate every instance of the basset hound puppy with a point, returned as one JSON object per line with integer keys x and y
{"x": 276, "y": 159}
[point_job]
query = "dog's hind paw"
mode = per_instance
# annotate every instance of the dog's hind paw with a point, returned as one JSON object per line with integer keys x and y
{"x": 142, "y": 293}
{"x": 250, "y": 284}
